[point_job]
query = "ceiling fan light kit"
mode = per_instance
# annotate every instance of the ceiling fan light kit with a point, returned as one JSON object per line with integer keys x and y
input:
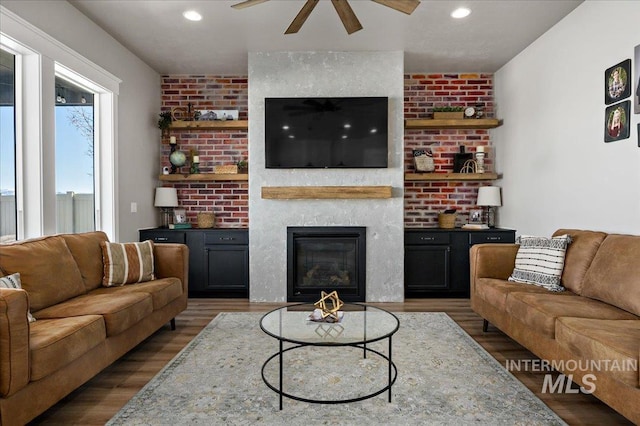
{"x": 346, "y": 14}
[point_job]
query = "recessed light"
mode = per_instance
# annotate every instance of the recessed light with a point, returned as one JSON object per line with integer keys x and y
{"x": 192, "y": 15}
{"x": 461, "y": 12}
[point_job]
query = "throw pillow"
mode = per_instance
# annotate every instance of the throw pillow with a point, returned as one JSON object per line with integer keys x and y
{"x": 126, "y": 263}
{"x": 540, "y": 261}
{"x": 13, "y": 281}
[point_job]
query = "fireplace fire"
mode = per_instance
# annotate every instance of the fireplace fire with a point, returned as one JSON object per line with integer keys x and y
{"x": 326, "y": 259}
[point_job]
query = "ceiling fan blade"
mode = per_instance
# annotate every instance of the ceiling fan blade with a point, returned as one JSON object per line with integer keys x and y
{"x": 405, "y": 6}
{"x": 247, "y": 3}
{"x": 301, "y": 17}
{"x": 348, "y": 18}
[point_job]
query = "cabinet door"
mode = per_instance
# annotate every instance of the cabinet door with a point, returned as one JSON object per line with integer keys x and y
{"x": 228, "y": 268}
{"x": 197, "y": 263}
{"x": 426, "y": 269}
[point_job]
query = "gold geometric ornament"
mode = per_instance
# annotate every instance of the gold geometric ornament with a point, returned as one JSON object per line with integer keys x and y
{"x": 329, "y": 305}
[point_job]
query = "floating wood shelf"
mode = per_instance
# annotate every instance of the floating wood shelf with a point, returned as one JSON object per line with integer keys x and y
{"x": 468, "y": 123}
{"x": 324, "y": 192}
{"x": 204, "y": 177}
{"x": 210, "y": 125}
{"x": 449, "y": 176}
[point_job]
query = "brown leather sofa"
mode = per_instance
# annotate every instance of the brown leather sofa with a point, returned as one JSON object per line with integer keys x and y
{"x": 81, "y": 327}
{"x": 590, "y": 331}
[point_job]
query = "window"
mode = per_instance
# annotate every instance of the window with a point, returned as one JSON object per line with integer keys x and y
{"x": 74, "y": 159}
{"x": 8, "y": 223}
{"x": 44, "y": 153}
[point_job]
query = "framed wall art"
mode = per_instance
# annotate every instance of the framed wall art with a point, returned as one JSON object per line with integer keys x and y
{"x": 617, "y": 84}
{"x": 616, "y": 121}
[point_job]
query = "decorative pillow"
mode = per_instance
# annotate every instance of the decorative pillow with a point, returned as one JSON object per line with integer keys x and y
{"x": 13, "y": 281}
{"x": 540, "y": 261}
{"x": 126, "y": 263}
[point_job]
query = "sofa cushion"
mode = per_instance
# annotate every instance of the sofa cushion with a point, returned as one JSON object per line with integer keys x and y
{"x": 120, "y": 311}
{"x": 616, "y": 342}
{"x": 540, "y": 261}
{"x": 162, "y": 291}
{"x": 539, "y": 311}
{"x": 85, "y": 249}
{"x": 580, "y": 253}
{"x": 13, "y": 281}
{"x": 126, "y": 263}
{"x": 47, "y": 270}
{"x": 614, "y": 275}
{"x": 495, "y": 291}
{"x": 54, "y": 343}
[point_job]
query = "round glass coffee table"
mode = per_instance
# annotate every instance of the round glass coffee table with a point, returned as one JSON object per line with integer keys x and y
{"x": 360, "y": 326}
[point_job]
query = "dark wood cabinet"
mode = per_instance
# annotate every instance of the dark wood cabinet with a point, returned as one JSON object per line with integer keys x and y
{"x": 436, "y": 261}
{"x": 218, "y": 259}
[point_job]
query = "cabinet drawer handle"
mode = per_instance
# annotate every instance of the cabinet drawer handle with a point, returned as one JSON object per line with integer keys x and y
{"x": 161, "y": 239}
{"x": 494, "y": 238}
{"x": 427, "y": 238}
{"x": 226, "y": 238}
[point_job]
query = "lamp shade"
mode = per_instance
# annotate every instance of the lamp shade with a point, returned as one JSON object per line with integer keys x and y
{"x": 489, "y": 196}
{"x": 166, "y": 197}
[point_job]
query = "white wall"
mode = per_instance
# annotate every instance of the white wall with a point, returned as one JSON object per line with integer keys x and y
{"x": 138, "y": 138}
{"x": 318, "y": 74}
{"x": 558, "y": 172}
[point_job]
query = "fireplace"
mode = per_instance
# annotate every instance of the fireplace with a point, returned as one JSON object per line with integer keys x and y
{"x": 326, "y": 258}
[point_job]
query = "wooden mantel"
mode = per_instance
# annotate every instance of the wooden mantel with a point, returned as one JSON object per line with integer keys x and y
{"x": 324, "y": 192}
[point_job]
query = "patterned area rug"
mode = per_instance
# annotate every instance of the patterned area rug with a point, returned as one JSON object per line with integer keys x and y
{"x": 444, "y": 377}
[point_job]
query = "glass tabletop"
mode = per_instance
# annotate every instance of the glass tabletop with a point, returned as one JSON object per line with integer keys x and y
{"x": 360, "y": 323}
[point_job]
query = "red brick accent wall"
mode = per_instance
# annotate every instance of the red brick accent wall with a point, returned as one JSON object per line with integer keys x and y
{"x": 228, "y": 200}
{"x": 424, "y": 200}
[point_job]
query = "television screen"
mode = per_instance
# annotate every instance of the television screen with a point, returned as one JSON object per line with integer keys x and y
{"x": 326, "y": 132}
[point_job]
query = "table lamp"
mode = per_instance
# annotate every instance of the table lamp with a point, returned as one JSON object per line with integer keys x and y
{"x": 166, "y": 199}
{"x": 489, "y": 197}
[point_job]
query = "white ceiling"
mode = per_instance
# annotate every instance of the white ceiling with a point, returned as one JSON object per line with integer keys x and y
{"x": 155, "y": 31}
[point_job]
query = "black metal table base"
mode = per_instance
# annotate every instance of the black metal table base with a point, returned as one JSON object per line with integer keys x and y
{"x": 392, "y": 375}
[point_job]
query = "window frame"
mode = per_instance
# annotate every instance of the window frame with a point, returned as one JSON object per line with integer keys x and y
{"x": 41, "y": 57}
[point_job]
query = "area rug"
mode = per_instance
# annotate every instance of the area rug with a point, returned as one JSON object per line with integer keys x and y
{"x": 444, "y": 377}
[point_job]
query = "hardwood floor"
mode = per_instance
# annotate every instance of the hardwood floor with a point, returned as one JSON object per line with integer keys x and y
{"x": 103, "y": 396}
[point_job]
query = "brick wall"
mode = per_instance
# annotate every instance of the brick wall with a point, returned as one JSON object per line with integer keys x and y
{"x": 228, "y": 200}
{"x": 423, "y": 200}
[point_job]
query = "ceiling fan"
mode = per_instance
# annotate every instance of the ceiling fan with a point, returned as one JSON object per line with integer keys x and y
{"x": 348, "y": 18}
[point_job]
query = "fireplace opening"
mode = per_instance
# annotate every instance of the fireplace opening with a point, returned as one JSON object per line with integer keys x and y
{"x": 323, "y": 258}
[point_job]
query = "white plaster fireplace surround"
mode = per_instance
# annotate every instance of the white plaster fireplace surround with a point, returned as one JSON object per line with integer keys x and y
{"x": 325, "y": 74}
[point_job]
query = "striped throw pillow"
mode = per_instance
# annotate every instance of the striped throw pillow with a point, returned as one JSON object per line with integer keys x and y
{"x": 13, "y": 281}
{"x": 127, "y": 263}
{"x": 540, "y": 261}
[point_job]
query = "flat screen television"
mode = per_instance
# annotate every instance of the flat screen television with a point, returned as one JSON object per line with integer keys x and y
{"x": 326, "y": 132}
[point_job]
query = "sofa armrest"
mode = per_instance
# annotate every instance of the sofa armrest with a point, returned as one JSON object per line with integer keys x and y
{"x": 172, "y": 260}
{"x": 14, "y": 341}
{"x": 492, "y": 261}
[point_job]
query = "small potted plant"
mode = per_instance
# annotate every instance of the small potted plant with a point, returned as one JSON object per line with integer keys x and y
{"x": 164, "y": 122}
{"x": 242, "y": 166}
{"x": 448, "y": 112}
